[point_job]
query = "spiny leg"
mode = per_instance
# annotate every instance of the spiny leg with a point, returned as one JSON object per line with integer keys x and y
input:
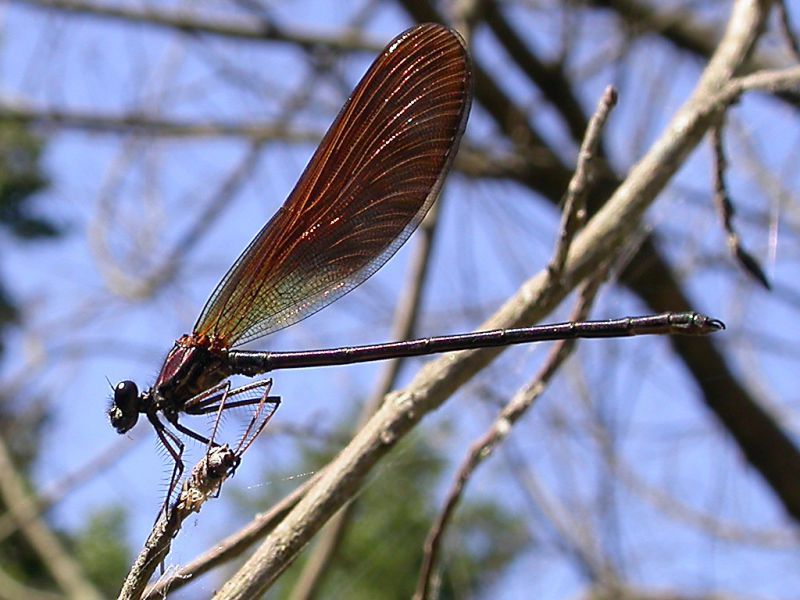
{"x": 192, "y": 434}
{"x": 224, "y": 391}
{"x": 203, "y": 404}
{"x": 260, "y": 418}
{"x": 219, "y": 402}
{"x": 198, "y": 404}
{"x": 209, "y": 442}
{"x": 216, "y": 400}
{"x": 167, "y": 439}
{"x": 238, "y": 404}
{"x": 209, "y": 401}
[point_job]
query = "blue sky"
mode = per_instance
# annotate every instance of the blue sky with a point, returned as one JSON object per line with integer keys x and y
{"x": 139, "y": 196}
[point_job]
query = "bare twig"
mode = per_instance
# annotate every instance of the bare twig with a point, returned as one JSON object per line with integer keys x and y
{"x": 203, "y": 483}
{"x": 574, "y": 536}
{"x": 573, "y": 215}
{"x": 145, "y": 124}
{"x": 229, "y": 548}
{"x": 774, "y": 82}
{"x": 551, "y": 78}
{"x": 689, "y": 34}
{"x": 673, "y": 507}
{"x": 119, "y": 278}
{"x": 205, "y": 480}
{"x": 192, "y": 24}
{"x": 726, "y": 210}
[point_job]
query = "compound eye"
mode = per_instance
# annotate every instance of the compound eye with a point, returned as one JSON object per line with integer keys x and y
{"x": 125, "y": 395}
{"x": 124, "y": 409}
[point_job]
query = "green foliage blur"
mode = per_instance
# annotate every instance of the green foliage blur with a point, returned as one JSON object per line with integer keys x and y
{"x": 99, "y": 550}
{"x": 21, "y": 178}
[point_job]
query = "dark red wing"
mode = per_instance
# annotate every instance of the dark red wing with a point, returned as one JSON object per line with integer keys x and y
{"x": 369, "y": 184}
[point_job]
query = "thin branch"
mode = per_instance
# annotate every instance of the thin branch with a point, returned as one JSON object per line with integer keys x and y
{"x": 144, "y": 286}
{"x": 550, "y": 79}
{"x": 682, "y": 512}
{"x": 229, "y": 548}
{"x": 689, "y": 34}
{"x": 205, "y": 480}
{"x": 144, "y": 124}
{"x": 726, "y": 210}
{"x": 774, "y": 82}
{"x": 570, "y": 524}
{"x": 119, "y": 279}
{"x": 187, "y": 22}
{"x": 574, "y": 212}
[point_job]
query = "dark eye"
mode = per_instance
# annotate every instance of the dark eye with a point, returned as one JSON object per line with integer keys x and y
{"x": 124, "y": 409}
{"x": 125, "y": 395}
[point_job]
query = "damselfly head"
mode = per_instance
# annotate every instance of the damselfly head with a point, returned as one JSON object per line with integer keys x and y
{"x": 124, "y": 410}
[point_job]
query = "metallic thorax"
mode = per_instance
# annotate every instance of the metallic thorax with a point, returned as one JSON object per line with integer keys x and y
{"x": 194, "y": 365}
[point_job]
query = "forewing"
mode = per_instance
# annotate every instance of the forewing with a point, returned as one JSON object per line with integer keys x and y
{"x": 376, "y": 172}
